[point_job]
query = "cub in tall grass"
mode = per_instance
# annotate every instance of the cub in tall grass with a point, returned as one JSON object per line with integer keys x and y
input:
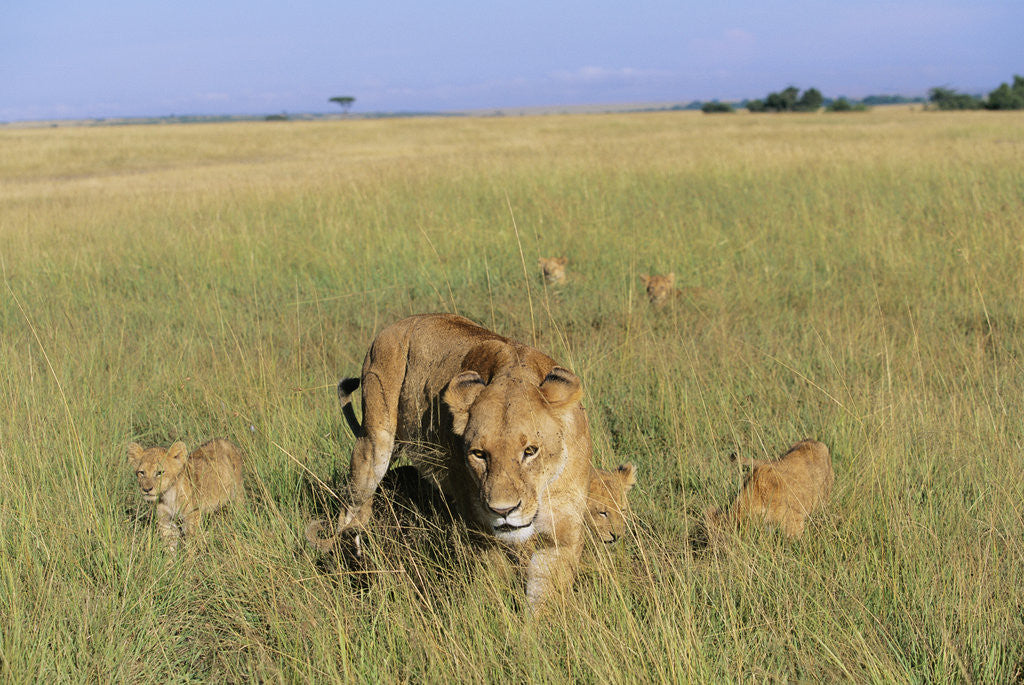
{"x": 186, "y": 485}
{"x": 608, "y": 503}
{"x": 660, "y": 289}
{"x": 553, "y": 269}
{"x": 782, "y": 492}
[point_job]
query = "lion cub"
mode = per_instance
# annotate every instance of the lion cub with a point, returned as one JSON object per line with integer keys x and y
{"x": 783, "y": 492}
{"x": 186, "y": 485}
{"x": 553, "y": 269}
{"x": 607, "y": 502}
{"x": 660, "y": 288}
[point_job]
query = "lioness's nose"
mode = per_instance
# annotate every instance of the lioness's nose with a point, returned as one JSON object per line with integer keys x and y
{"x": 505, "y": 511}
{"x": 147, "y": 488}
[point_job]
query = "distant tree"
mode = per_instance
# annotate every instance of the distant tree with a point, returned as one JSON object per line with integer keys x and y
{"x": 755, "y": 105}
{"x": 810, "y": 101}
{"x": 343, "y": 101}
{"x": 716, "y": 107}
{"x": 889, "y": 100}
{"x": 1007, "y": 96}
{"x": 947, "y": 98}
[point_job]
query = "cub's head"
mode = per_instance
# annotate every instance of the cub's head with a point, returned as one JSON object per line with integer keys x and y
{"x": 659, "y": 288}
{"x": 607, "y": 503}
{"x": 156, "y": 468}
{"x": 553, "y": 269}
{"x": 512, "y": 431}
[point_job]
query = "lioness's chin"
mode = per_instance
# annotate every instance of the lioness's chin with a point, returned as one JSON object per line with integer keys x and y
{"x": 150, "y": 498}
{"x": 514, "y": 535}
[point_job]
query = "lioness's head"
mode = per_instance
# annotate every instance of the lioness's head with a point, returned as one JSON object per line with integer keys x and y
{"x": 553, "y": 269}
{"x": 659, "y": 288}
{"x": 156, "y": 468}
{"x": 607, "y": 503}
{"x": 512, "y": 434}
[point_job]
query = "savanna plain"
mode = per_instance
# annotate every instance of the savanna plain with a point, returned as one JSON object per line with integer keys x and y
{"x": 851, "y": 278}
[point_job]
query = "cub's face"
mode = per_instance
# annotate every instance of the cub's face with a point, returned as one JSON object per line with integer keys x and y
{"x": 156, "y": 468}
{"x": 607, "y": 503}
{"x": 659, "y": 288}
{"x": 553, "y": 269}
{"x": 512, "y": 433}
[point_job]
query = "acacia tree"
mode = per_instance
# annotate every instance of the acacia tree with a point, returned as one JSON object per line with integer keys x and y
{"x": 344, "y": 101}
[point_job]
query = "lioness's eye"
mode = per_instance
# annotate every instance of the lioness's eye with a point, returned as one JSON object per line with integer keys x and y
{"x": 604, "y": 513}
{"x": 529, "y": 451}
{"x": 159, "y": 473}
{"x": 140, "y": 473}
{"x": 478, "y": 454}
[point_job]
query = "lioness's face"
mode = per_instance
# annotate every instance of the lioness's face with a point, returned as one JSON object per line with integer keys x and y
{"x": 607, "y": 503}
{"x": 513, "y": 445}
{"x": 156, "y": 468}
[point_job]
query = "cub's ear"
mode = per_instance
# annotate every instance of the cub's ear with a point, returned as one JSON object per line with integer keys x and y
{"x": 541, "y": 260}
{"x": 563, "y": 260}
{"x": 671, "y": 278}
{"x": 561, "y": 387}
{"x": 627, "y": 472}
{"x": 178, "y": 450}
{"x": 461, "y": 393}
{"x": 134, "y": 453}
{"x": 645, "y": 279}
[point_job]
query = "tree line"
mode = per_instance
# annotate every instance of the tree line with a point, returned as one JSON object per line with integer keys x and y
{"x": 1006, "y": 96}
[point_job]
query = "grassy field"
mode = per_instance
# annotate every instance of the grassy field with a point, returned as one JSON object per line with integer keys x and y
{"x": 854, "y": 278}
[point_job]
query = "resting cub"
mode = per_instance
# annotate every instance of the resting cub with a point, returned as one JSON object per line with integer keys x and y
{"x": 783, "y": 492}
{"x": 186, "y": 485}
{"x": 553, "y": 269}
{"x": 607, "y": 503}
{"x": 660, "y": 288}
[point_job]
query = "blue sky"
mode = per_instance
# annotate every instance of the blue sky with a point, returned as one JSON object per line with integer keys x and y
{"x": 81, "y": 58}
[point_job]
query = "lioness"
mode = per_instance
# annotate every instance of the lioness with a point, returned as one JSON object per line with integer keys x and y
{"x": 186, "y": 485}
{"x": 504, "y": 433}
{"x": 553, "y": 269}
{"x": 607, "y": 501}
{"x": 783, "y": 492}
{"x": 607, "y": 496}
{"x": 660, "y": 288}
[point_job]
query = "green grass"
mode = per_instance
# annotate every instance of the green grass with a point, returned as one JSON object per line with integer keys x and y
{"x": 861, "y": 283}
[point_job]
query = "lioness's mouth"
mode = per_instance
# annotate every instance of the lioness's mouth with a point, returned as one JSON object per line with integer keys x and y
{"x": 509, "y": 527}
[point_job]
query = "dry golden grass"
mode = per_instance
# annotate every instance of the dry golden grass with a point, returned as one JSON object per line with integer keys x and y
{"x": 854, "y": 278}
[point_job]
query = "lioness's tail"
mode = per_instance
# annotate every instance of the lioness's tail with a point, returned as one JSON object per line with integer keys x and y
{"x": 346, "y": 387}
{"x": 313, "y": 535}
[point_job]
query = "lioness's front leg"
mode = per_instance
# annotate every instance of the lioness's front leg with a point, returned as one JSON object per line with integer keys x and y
{"x": 370, "y": 459}
{"x": 552, "y": 567}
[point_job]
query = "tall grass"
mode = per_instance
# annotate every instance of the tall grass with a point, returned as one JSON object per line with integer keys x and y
{"x": 857, "y": 279}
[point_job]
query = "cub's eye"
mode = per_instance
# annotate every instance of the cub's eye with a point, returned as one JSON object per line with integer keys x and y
{"x": 478, "y": 454}
{"x": 159, "y": 473}
{"x": 529, "y": 451}
{"x": 603, "y": 513}
{"x": 140, "y": 473}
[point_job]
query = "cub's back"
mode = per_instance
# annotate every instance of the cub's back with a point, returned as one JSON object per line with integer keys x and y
{"x": 215, "y": 471}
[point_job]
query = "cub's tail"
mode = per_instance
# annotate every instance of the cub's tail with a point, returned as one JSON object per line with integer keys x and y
{"x": 346, "y": 387}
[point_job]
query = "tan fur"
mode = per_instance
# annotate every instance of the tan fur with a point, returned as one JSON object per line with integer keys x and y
{"x": 608, "y": 503}
{"x": 553, "y": 269}
{"x": 186, "y": 485}
{"x": 660, "y": 289}
{"x": 782, "y": 492}
{"x": 496, "y": 424}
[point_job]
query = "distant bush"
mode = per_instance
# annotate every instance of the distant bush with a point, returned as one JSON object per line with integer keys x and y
{"x": 716, "y": 107}
{"x": 276, "y": 117}
{"x": 789, "y": 100}
{"x": 947, "y": 98}
{"x": 1007, "y": 96}
{"x": 844, "y": 105}
{"x": 872, "y": 100}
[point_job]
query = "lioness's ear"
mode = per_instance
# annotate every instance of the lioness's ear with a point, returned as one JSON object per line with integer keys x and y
{"x": 563, "y": 260}
{"x": 627, "y": 472}
{"x": 461, "y": 393}
{"x": 561, "y": 387}
{"x": 178, "y": 450}
{"x": 671, "y": 278}
{"x": 134, "y": 452}
{"x": 645, "y": 279}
